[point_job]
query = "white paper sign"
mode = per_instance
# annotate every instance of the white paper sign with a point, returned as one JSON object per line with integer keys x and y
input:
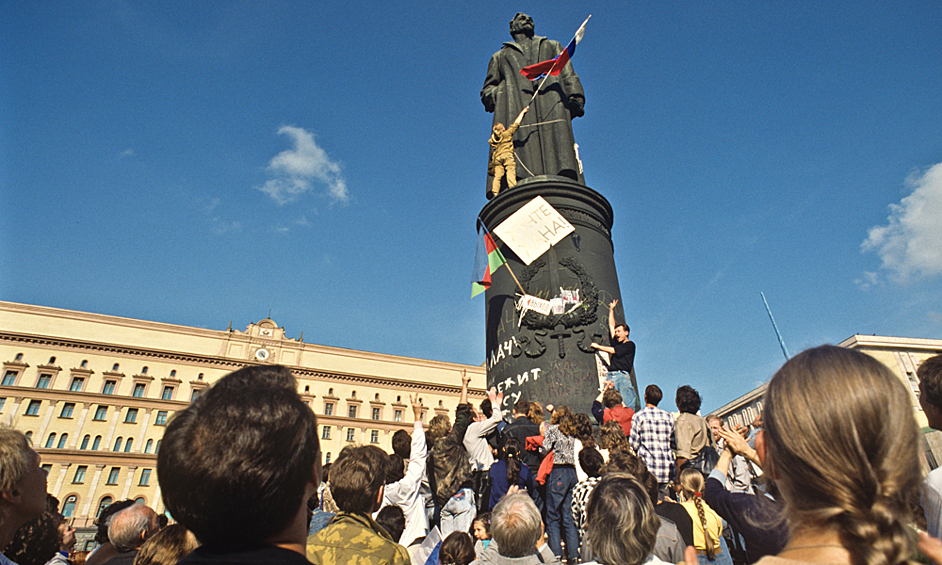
{"x": 539, "y": 305}
{"x": 532, "y": 229}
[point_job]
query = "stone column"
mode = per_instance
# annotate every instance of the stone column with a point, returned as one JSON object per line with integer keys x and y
{"x": 114, "y": 424}
{"x": 77, "y": 431}
{"x": 91, "y": 492}
{"x": 549, "y": 358}
{"x": 127, "y": 483}
{"x": 42, "y": 428}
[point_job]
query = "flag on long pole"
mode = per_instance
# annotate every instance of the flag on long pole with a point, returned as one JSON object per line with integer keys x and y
{"x": 555, "y": 65}
{"x": 487, "y": 259}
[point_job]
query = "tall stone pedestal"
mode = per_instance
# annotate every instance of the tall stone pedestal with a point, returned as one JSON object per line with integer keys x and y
{"x": 548, "y": 358}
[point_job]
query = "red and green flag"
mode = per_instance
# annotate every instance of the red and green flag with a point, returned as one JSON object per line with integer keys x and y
{"x": 487, "y": 259}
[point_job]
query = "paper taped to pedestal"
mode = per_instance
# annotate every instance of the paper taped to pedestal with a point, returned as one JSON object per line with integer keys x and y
{"x": 531, "y": 230}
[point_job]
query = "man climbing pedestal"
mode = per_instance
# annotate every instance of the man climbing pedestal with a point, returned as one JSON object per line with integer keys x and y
{"x": 502, "y": 154}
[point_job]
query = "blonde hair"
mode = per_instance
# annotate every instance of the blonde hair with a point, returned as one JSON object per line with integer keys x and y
{"x": 536, "y": 412}
{"x": 15, "y": 457}
{"x": 621, "y": 525}
{"x": 691, "y": 484}
{"x": 612, "y": 437}
{"x": 562, "y": 416}
{"x": 842, "y": 446}
{"x": 167, "y": 546}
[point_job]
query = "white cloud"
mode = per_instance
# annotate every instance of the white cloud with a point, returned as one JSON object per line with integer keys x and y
{"x": 910, "y": 244}
{"x": 295, "y": 171}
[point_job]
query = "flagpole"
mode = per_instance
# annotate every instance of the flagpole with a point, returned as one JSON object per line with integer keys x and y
{"x": 506, "y": 263}
{"x": 537, "y": 91}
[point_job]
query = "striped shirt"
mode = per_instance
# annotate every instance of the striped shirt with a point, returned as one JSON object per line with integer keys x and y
{"x": 651, "y": 431}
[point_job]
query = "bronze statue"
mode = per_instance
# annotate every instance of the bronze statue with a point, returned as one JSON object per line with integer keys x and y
{"x": 544, "y": 144}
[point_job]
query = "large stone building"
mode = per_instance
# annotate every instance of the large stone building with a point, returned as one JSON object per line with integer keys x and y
{"x": 94, "y": 393}
{"x": 902, "y": 355}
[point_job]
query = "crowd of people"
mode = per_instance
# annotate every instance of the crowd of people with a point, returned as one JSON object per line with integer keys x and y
{"x": 832, "y": 473}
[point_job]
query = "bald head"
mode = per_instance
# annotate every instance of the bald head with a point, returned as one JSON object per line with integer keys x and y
{"x": 131, "y": 527}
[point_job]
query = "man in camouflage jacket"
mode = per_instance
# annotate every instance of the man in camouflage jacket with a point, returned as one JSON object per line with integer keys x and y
{"x": 352, "y": 537}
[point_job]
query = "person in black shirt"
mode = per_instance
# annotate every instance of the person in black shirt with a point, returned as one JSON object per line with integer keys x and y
{"x": 621, "y": 362}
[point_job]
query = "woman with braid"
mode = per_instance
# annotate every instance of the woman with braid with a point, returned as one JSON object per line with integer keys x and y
{"x": 841, "y": 444}
{"x": 509, "y": 471}
{"x": 707, "y": 524}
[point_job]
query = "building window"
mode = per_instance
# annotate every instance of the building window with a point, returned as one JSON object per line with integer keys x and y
{"x": 117, "y": 444}
{"x": 167, "y": 394}
{"x": 96, "y": 444}
{"x": 32, "y": 409}
{"x": 77, "y": 384}
{"x": 109, "y": 387}
{"x": 62, "y": 440}
{"x": 327, "y": 458}
{"x": 195, "y": 394}
{"x": 353, "y": 411}
{"x": 84, "y": 364}
{"x": 9, "y": 378}
{"x": 350, "y": 432}
{"x": 376, "y": 413}
{"x": 128, "y": 444}
{"x": 85, "y": 441}
{"x": 67, "y": 409}
{"x": 173, "y": 373}
{"x": 105, "y": 502}
{"x": 398, "y": 416}
{"x": 51, "y": 441}
{"x": 131, "y": 416}
{"x": 139, "y": 390}
{"x": 144, "y": 370}
{"x": 148, "y": 446}
{"x": 145, "y": 478}
{"x": 101, "y": 413}
{"x": 19, "y": 357}
{"x": 115, "y": 367}
{"x": 325, "y": 433}
{"x": 161, "y": 419}
{"x": 79, "y": 477}
{"x": 113, "y": 476}
{"x": 47, "y": 467}
{"x": 68, "y": 508}
{"x": 157, "y": 447}
{"x": 2, "y": 402}
{"x": 374, "y": 436}
{"x": 44, "y": 380}
{"x": 328, "y": 409}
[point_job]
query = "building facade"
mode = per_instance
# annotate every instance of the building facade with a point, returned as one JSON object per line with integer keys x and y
{"x": 902, "y": 355}
{"x": 95, "y": 392}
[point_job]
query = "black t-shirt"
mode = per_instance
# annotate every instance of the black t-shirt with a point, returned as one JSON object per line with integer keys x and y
{"x": 679, "y": 516}
{"x": 624, "y": 357}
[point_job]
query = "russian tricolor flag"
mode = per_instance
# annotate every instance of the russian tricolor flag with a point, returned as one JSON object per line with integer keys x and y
{"x": 557, "y": 63}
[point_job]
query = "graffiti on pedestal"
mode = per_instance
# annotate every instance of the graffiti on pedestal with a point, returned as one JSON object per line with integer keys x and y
{"x": 546, "y": 326}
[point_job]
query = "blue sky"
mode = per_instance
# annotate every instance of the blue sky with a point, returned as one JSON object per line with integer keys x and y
{"x": 205, "y": 162}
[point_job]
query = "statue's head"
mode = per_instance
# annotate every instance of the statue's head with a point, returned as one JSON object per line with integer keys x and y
{"x": 498, "y": 128}
{"x": 521, "y": 23}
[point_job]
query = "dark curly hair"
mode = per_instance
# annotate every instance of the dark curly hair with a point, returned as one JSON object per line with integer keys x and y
{"x": 930, "y": 380}
{"x": 688, "y": 399}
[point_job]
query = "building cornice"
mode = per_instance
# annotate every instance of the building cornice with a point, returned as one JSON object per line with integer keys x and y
{"x": 859, "y": 340}
{"x": 229, "y": 364}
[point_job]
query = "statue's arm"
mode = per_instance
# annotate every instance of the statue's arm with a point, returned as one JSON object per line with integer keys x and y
{"x": 491, "y": 84}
